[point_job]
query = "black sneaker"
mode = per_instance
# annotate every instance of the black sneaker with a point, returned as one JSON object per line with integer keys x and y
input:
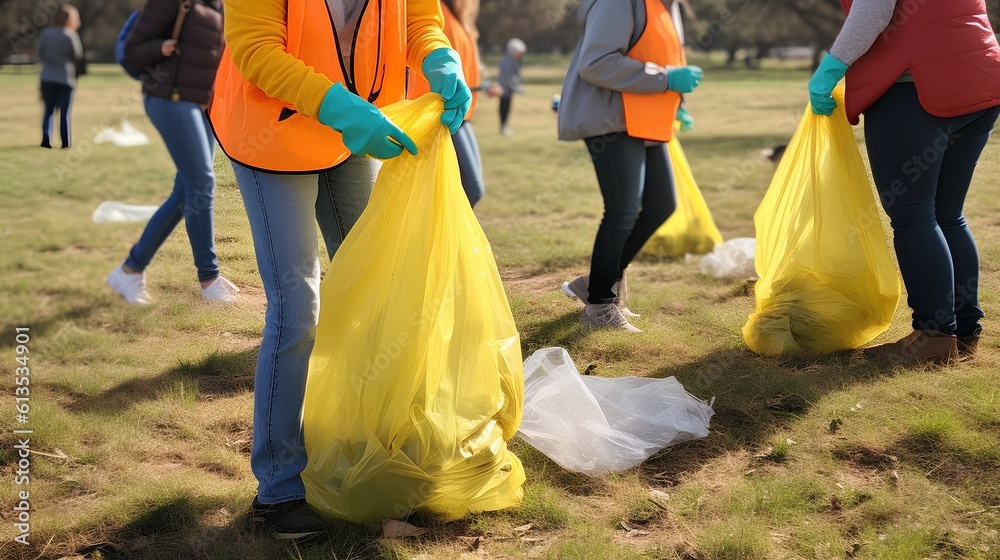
{"x": 288, "y": 520}
{"x": 967, "y": 345}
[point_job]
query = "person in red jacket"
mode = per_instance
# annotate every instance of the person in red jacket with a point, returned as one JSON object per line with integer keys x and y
{"x": 927, "y": 78}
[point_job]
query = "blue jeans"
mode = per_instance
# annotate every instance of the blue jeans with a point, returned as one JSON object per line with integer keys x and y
{"x": 56, "y": 96}
{"x": 637, "y": 184}
{"x": 923, "y": 166}
{"x": 470, "y": 163}
{"x": 283, "y": 212}
{"x": 191, "y": 143}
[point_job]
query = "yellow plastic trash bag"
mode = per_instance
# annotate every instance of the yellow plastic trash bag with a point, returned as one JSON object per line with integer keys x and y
{"x": 827, "y": 282}
{"x": 690, "y": 229}
{"x": 415, "y": 382}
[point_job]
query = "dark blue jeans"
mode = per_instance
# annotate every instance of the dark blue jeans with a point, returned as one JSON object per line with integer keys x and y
{"x": 470, "y": 163}
{"x": 637, "y": 183}
{"x": 923, "y": 166}
{"x": 56, "y": 96}
{"x": 191, "y": 143}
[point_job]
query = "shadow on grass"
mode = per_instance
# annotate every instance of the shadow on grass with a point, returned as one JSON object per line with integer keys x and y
{"x": 195, "y": 527}
{"x": 564, "y": 331}
{"x": 755, "y": 397}
{"x": 38, "y": 329}
{"x": 219, "y": 374}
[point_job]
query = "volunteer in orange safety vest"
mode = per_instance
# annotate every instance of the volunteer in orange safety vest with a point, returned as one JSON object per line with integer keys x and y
{"x": 296, "y": 109}
{"x": 621, "y": 96}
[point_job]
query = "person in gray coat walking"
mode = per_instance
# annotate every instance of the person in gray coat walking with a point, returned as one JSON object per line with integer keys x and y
{"x": 60, "y": 51}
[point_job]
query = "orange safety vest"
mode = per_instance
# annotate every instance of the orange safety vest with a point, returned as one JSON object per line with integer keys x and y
{"x": 467, "y": 53}
{"x": 650, "y": 116}
{"x": 268, "y": 134}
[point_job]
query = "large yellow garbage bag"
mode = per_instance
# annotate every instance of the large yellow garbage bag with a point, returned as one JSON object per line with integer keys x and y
{"x": 827, "y": 282}
{"x": 690, "y": 229}
{"x": 416, "y": 382}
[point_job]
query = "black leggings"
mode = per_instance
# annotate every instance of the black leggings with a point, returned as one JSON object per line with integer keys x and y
{"x": 637, "y": 184}
{"x": 505, "y": 109}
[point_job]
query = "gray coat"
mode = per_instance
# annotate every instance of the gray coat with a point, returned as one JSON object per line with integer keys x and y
{"x": 59, "y": 49}
{"x": 591, "y": 100}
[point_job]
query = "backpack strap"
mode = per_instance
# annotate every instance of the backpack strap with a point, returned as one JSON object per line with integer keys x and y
{"x": 185, "y": 7}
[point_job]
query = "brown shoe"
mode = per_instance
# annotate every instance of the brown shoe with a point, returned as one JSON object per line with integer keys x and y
{"x": 918, "y": 347}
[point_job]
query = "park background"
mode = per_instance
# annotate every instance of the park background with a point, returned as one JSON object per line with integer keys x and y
{"x": 142, "y": 415}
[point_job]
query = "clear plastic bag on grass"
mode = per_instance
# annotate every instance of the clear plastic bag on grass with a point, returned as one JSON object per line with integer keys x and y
{"x": 731, "y": 259}
{"x": 118, "y": 212}
{"x": 415, "y": 382}
{"x": 690, "y": 229}
{"x": 595, "y": 425}
{"x": 827, "y": 282}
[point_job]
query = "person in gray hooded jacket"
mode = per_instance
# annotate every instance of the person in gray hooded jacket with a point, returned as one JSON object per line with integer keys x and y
{"x": 630, "y": 53}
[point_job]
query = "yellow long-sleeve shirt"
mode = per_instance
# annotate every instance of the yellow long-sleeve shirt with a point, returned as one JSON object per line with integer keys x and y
{"x": 256, "y": 32}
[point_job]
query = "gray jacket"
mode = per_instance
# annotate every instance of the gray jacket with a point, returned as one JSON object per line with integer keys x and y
{"x": 591, "y": 100}
{"x": 59, "y": 49}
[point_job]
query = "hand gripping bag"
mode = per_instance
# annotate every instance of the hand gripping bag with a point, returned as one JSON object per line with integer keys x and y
{"x": 690, "y": 229}
{"x": 827, "y": 282}
{"x": 415, "y": 382}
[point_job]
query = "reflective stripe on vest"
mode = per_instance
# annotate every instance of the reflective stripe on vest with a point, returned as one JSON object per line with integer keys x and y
{"x": 265, "y": 133}
{"x": 467, "y": 52}
{"x": 650, "y": 116}
{"x": 949, "y": 48}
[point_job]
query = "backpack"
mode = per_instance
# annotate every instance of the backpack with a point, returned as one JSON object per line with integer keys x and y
{"x": 123, "y": 35}
{"x": 120, "y": 44}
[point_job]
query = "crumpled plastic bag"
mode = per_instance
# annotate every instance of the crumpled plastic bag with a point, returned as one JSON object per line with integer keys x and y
{"x": 595, "y": 425}
{"x": 690, "y": 229}
{"x": 109, "y": 212}
{"x": 126, "y": 137}
{"x": 415, "y": 383}
{"x": 827, "y": 282}
{"x": 731, "y": 259}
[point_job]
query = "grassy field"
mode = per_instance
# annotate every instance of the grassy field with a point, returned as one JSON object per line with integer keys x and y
{"x": 141, "y": 417}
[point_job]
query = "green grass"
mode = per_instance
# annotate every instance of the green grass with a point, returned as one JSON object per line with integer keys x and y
{"x": 144, "y": 415}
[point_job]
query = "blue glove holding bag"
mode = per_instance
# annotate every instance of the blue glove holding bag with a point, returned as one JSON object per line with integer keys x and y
{"x": 365, "y": 130}
{"x": 443, "y": 70}
{"x": 822, "y": 83}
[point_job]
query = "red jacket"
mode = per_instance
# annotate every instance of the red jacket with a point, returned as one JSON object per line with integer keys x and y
{"x": 949, "y": 48}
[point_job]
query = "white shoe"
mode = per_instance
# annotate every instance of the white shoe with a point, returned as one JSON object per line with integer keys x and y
{"x": 507, "y": 130}
{"x": 579, "y": 289}
{"x": 131, "y": 286}
{"x": 606, "y": 315}
{"x": 221, "y": 291}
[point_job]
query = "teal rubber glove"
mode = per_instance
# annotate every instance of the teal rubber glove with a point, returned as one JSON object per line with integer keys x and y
{"x": 685, "y": 118}
{"x": 443, "y": 70}
{"x": 365, "y": 129}
{"x": 683, "y": 79}
{"x": 821, "y": 85}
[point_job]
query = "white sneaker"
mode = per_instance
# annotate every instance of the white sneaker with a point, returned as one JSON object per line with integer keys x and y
{"x": 606, "y": 315}
{"x": 579, "y": 289}
{"x": 131, "y": 286}
{"x": 221, "y": 291}
{"x": 506, "y": 130}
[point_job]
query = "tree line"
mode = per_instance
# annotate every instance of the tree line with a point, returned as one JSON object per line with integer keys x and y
{"x": 750, "y": 26}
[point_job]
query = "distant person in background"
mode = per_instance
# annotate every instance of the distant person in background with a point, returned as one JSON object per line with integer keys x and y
{"x": 60, "y": 52}
{"x": 621, "y": 95}
{"x": 460, "y": 28}
{"x": 177, "y": 86}
{"x": 928, "y": 83}
{"x": 510, "y": 80}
